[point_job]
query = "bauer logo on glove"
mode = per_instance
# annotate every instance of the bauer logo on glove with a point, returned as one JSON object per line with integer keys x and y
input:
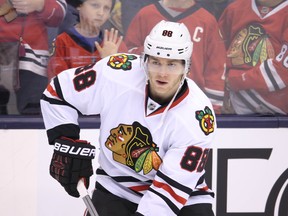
{"x": 75, "y": 150}
{"x": 72, "y": 161}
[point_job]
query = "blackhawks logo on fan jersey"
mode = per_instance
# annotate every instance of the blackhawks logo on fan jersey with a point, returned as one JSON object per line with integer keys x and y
{"x": 121, "y": 61}
{"x": 250, "y": 46}
{"x": 132, "y": 145}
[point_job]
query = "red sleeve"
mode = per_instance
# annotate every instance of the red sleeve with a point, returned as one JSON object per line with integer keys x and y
{"x": 224, "y": 23}
{"x": 54, "y": 12}
{"x": 214, "y": 72}
{"x": 216, "y": 58}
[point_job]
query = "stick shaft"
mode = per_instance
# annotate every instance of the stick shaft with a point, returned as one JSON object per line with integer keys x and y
{"x": 86, "y": 198}
{"x": 90, "y": 206}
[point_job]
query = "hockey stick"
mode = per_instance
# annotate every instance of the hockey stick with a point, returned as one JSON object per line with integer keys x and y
{"x": 86, "y": 198}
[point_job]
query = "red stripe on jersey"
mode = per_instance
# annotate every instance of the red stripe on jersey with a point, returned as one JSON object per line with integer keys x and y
{"x": 140, "y": 188}
{"x": 52, "y": 91}
{"x": 204, "y": 188}
{"x": 170, "y": 191}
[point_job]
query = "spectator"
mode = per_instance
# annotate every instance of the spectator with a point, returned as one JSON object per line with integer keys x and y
{"x": 80, "y": 45}
{"x": 23, "y": 25}
{"x": 257, "y": 56}
{"x": 208, "y": 58}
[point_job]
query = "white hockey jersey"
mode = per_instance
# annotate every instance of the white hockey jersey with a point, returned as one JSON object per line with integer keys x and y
{"x": 151, "y": 154}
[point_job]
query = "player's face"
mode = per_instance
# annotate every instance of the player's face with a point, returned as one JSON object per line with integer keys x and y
{"x": 95, "y": 12}
{"x": 164, "y": 77}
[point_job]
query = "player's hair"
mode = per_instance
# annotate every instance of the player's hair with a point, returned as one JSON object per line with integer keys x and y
{"x": 170, "y": 40}
{"x": 77, "y": 3}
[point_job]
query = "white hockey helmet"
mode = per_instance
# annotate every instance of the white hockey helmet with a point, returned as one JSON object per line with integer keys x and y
{"x": 170, "y": 40}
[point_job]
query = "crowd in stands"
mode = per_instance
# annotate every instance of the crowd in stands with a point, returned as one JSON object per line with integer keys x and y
{"x": 239, "y": 59}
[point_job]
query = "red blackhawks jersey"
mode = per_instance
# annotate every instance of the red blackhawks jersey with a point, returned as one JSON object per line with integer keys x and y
{"x": 70, "y": 51}
{"x": 257, "y": 53}
{"x": 32, "y": 29}
{"x": 208, "y": 57}
{"x": 151, "y": 154}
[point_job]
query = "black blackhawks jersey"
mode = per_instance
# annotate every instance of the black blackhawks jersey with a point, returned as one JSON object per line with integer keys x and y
{"x": 150, "y": 155}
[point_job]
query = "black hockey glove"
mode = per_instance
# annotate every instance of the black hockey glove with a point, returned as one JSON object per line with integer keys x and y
{"x": 71, "y": 161}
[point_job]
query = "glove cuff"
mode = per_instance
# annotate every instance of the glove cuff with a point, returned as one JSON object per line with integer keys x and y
{"x": 74, "y": 149}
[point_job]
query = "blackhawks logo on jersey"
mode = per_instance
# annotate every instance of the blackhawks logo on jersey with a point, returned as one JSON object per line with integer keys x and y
{"x": 206, "y": 120}
{"x": 132, "y": 145}
{"x": 121, "y": 61}
{"x": 250, "y": 46}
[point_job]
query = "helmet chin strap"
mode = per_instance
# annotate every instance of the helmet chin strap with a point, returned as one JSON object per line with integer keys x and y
{"x": 171, "y": 101}
{"x": 143, "y": 63}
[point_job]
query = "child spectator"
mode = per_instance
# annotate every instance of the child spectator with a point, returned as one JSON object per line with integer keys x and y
{"x": 86, "y": 42}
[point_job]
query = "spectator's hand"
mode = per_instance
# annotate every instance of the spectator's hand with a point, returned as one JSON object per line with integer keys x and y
{"x": 28, "y": 6}
{"x": 111, "y": 43}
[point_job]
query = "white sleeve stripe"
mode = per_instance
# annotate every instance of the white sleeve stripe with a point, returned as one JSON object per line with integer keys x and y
{"x": 266, "y": 78}
{"x": 276, "y": 76}
{"x": 271, "y": 77}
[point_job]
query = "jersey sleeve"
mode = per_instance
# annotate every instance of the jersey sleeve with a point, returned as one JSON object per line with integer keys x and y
{"x": 54, "y": 12}
{"x": 181, "y": 173}
{"x": 73, "y": 92}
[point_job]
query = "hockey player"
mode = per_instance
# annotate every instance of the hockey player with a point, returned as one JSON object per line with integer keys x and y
{"x": 257, "y": 53}
{"x": 208, "y": 58}
{"x": 157, "y": 127}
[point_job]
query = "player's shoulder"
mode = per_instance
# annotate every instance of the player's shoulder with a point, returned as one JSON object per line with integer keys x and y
{"x": 196, "y": 93}
{"x": 195, "y": 117}
{"x": 195, "y": 101}
{"x": 119, "y": 65}
{"x": 121, "y": 61}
